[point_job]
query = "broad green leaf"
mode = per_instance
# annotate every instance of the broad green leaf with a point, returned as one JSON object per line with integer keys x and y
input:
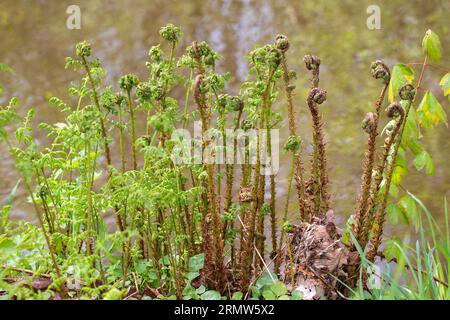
{"x": 201, "y": 289}
{"x": 431, "y": 45}
{"x": 265, "y": 279}
{"x": 165, "y": 260}
{"x": 445, "y": 84}
{"x": 189, "y": 292}
{"x": 401, "y": 161}
{"x": 113, "y": 294}
{"x": 279, "y": 288}
{"x": 422, "y": 160}
{"x": 211, "y": 295}
{"x": 393, "y": 213}
{"x": 398, "y": 173}
{"x": 415, "y": 146}
{"x": 269, "y": 295}
{"x": 191, "y": 275}
{"x": 411, "y": 126}
{"x": 237, "y": 296}
{"x": 392, "y": 251}
{"x": 6, "y": 244}
{"x": 196, "y": 262}
{"x": 401, "y": 75}
{"x": 297, "y": 295}
{"x": 255, "y": 292}
{"x": 393, "y": 191}
{"x": 409, "y": 208}
{"x": 430, "y": 112}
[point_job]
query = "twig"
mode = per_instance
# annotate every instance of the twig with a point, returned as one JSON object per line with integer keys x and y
{"x": 382, "y": 256}
{"x": 30, "y": 272}
{"x": 428, "y": 65}
{"x": 257, "y": 251}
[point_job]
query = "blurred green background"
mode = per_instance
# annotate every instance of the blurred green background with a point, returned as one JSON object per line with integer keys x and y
{"x": 35, "y": 42}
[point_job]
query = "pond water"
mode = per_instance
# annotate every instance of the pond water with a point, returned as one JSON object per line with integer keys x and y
{"x": 35, "y": 42}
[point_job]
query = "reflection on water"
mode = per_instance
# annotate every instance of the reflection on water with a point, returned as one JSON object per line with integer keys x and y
{"x": 35, "y": 41}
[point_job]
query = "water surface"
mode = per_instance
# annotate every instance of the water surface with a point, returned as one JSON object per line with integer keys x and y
{"x": 35, "y": 41}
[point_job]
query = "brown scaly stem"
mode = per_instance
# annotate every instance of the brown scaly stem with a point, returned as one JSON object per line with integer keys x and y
{"x": 257, "y": 171}
{"x": 162, "y": 100}
{"x": 324, "y": 179}
{"x": 248, "y": 232}
{"x": 247, "y": 235}
{"x": 230, "y": 172}
{"x": 246, "y": 166}
{"x": 278, "y": 256}
{"x": 212, "y": 272}
{"x": 133, "y": 129}
{"x": 260, "y": 238}
{"x": 381, "y": 213}
{"x": 319, "y": 174}
{"x": 379, "y": 71}
{"x": 392, "y": 111}
{"x": 121, "y": 143}
{"x": 97, "y": 104}
{"x": 90, "y": 211}
{"x": 312, "y": 63}
{"x": 273, "y": 216}
{"x": 282, "y": 43}
{"x": 245, "y": 197}
{"x": 260, "y": 219}
{"x": 119, "y": 99}
{"x": 250, "y": 220}
{"x": 103, "y": 129}
{"x": 407, "y": 92}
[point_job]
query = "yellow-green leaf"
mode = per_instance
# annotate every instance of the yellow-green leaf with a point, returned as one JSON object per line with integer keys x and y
{"x": 431, "y": 45}
{"x": 211, "y": 295}
{"x": 409, "y": 207}
{"x": 411, "y": 126}
{"x": 269, "y": 295}
{"x": 113, "y": 294}
{"x": 392, "y": 249}
{"x": 237, "y": 296}
{"x": 279, "y": 288}
{"x": 445, "y": 84}
{"x": 393, "y": 213}
{"x": 423, "y": 160}
{"x": 415, "y": 146}
{"x": 398, "y": 174}
{"x": 6, "y": 244}
{"x": 401, "y": 75}
{"x": 430, "y": 112}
